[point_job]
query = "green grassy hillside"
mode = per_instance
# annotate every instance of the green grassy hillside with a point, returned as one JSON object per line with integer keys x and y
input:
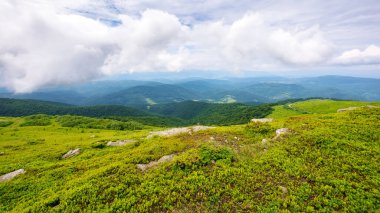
{"x": 313, "y": 106}
{"x": 328, "y": 162}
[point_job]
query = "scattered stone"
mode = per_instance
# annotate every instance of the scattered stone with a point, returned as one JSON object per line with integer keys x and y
{"x": 212, "y": 139}
{"x": 120, "y": 142}
{"x": 2, "y": 153}
{"x": 176, "y": 131}
{"x": 284, "y": 190}
{"x": 11, "y": 175}
{"x": 264, "y": 141}
{"x": 165, "y": 158}
{"x": 262, "y": 120}
{"x": 93, "y": 136}
{"x": 71, "y": 153}
{"x": 281, "y": 131}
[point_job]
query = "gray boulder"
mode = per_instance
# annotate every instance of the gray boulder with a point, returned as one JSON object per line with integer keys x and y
{"x": 71, "y": 153}
{"x": 11, "y": 175}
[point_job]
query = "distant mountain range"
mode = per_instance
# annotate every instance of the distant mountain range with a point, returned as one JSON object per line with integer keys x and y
{"x": 145, "y": 94}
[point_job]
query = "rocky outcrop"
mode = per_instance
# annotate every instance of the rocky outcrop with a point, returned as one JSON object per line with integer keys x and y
{"x": 120, "y": 142}
{"x": 347, "y": 109}
{"x": 262, "y": 120}
{"x": 280, "y": 132}
{"x": 165, "y": 158}
{"x": 71, "y": 153}
{"x": 11, "y": 175}
{"x": 354, "y": 108}
{"x": 176, "y": 131}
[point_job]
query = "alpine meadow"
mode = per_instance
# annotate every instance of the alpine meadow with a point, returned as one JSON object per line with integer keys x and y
{"x": 189, "y": 106}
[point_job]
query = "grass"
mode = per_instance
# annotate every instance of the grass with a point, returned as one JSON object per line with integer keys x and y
{"x": 319, "y": 106}
{"x": 282, "y": 111}
{"x": 330, "y": 162}
{"x": 328, "y": 106}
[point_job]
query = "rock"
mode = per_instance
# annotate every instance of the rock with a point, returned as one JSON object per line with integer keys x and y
{"x": 281, "y": 131}
{"x": 200, "y": 128}
{"x": 93, "y": 136}
{"x": 165, "y": 158}
{"x": 11, "y": 175}
{"x": 262, "y": 120}
{"x": 170, "y": 132}
{"x": 120, "y": 142}
{"x": 284, "y": 190}
{"x": 2, "y": 153}
{"x": 264, "y": 141}
{"x": 71, "y": 153}
{"x": 176, "y": 131}
{"x": 212, "y": 139}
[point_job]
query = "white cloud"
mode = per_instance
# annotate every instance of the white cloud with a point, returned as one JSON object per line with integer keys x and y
{"x": 50, "y": 44}
{"x": 253, "y": 41}
{"x": 370, "y": 55}
{"x": 144, "y": 44}
{"x": 41, "y": 45}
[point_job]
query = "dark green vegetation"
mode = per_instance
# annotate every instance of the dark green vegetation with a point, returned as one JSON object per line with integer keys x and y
{"x": 14, "y": 107}
{"x": 36, "y": 120}
{"x": 174, "y": 114}
{"x": 329, "y": 162}
{"x": 5, "y": 123}
{"x": 209, "y": 113}
{"x": 94, "y": 123}
{"x": 146, "y": 95}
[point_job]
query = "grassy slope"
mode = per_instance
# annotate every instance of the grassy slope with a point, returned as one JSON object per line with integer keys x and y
{"x": 329, "y": 162}
{"x": 315, "y": 106}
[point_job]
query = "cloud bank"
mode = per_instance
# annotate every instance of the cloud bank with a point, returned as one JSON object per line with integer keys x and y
{"x": 370, "y": 55}
{"x": 44, "y": 44}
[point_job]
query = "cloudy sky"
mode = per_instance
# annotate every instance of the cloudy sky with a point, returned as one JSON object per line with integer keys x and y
{"x": 60, "y": 42}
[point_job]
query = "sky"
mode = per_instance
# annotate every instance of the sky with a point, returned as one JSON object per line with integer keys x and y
{"x": 62, "y": 42}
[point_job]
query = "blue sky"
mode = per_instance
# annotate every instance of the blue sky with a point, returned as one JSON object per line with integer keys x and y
{"x": 45, "y": 43}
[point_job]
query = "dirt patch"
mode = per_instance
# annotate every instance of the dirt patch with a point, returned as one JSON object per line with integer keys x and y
{"x": 11, "y": 175}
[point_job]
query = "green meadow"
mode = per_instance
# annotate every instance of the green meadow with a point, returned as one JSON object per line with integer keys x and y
{"x": 327, "y": 162}
{"x": 313, "y": 106}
